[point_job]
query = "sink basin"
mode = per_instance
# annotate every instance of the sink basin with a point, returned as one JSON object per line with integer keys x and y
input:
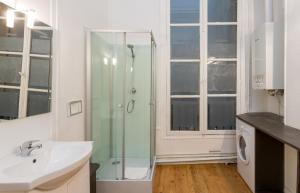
{"x": 55, "y": 160}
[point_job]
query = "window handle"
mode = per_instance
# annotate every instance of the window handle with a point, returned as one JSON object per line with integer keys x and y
{"x": 22, "y": 74}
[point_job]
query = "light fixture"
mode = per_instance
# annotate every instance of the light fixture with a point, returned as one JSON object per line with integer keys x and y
{"x": 31, "y": 15}
{"x": 114, "y": 61}
{"x": 105, "y": 61}
{"x": 10, "y": 18}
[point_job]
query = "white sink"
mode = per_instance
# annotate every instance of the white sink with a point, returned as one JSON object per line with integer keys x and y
{"x": 44, "y": 166}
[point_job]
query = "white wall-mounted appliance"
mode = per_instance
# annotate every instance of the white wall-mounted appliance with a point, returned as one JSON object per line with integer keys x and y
{"x": 245, "y": 140}
{"x": 268, "y": 49}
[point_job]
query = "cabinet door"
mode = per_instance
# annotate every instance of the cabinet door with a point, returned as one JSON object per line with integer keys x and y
{"x": 290, "y": 169}
{"x": 81, "y": 181}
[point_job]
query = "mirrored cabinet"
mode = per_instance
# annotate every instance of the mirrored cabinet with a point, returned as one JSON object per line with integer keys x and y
{"x": 25, "y": 67}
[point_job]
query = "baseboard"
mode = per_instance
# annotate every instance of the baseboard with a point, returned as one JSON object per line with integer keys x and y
{"x": 194, "y": 159}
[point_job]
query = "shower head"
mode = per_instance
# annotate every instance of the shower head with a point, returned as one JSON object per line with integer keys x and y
{"x": 130, "y": 46}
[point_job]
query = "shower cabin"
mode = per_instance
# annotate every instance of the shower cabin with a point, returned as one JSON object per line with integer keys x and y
{"x": 121, "y": 103}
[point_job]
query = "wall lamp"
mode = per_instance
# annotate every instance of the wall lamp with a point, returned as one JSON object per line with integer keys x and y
{"x": 10, "y": 17}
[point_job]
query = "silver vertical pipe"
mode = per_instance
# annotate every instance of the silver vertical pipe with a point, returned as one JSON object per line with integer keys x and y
{"x": 124, "y": 102}
{"x": 154, "y": 100}
{"x": 110, "y": 101}
{"x": 88, "y": 91}
{"x": 151, "y": 103}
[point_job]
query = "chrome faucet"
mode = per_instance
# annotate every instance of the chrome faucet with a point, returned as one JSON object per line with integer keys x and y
{"x": 27, "y": 147}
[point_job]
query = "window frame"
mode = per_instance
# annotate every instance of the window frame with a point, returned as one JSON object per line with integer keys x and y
{"x": 25, "y": 68}
{"x": 203, "y": 61}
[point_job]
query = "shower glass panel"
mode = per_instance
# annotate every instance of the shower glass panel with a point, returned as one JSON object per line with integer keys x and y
{"x": 107, "y": 80}
{"x": 138, "y": 98}
{"x": 122, "y": 111}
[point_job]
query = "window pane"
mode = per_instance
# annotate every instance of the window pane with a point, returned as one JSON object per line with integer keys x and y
{"x": 222, "y": 10}
{"x": 11, "y": 39}
{"x": 185, "y": 43}
{"x": 221, "y": 113}
{"x": 222, "y": 42}
{"x": 185, "y": 11}
{"x": 9, "y": 103}
{"x": 185, "y": 78}
{"x": 185, "y": 115}
{"x": 38, "y": 103}
{"x": 39, "y": 76}
{"x": 41, "y": 42}
{"x": 221, "y": 77}
{"x": 10, "y": 66}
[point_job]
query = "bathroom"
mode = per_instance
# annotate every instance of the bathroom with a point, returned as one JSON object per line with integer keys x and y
{"x": 149, "y": 96}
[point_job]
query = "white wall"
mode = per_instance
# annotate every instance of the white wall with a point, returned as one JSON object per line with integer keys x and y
{"x": 72, "y": 20}
{"x": 292, "y": 78}
{"x": 292, "y": 64}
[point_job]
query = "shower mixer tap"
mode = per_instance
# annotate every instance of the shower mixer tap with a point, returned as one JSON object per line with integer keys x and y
{"x": 133, "y": 91}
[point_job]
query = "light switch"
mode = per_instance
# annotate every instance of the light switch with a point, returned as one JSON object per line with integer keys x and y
{"x": 75, "y": 108}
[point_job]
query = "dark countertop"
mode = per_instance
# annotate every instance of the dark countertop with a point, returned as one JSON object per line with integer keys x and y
{"x": 272, "y": 125}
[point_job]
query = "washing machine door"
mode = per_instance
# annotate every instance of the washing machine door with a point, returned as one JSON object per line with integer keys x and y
{"x": 243, "y": 149}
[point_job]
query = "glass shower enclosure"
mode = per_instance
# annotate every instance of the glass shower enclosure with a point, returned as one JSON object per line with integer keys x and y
{"x": 121, "y": 103}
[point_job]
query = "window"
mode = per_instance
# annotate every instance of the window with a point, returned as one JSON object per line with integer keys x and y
{"x": 39, "y": 82}
{"x": 25, "y": 68}
{"x": 203, "y": 65}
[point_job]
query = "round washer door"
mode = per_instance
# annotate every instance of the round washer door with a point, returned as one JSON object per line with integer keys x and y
{"x": 243, "y": 150}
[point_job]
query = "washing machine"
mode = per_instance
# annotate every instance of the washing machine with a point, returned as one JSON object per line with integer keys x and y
{"x": 245, "y": 140}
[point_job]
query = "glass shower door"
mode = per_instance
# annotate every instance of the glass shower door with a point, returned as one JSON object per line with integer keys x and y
{"x": 107, "y": 102}
{"x": 138, "y": 108}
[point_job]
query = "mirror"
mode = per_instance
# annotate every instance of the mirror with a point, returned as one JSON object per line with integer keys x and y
{"x": 25, "y": 67}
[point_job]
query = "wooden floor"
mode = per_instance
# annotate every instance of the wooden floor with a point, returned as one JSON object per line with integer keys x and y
{"x": 202, "y": 178}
